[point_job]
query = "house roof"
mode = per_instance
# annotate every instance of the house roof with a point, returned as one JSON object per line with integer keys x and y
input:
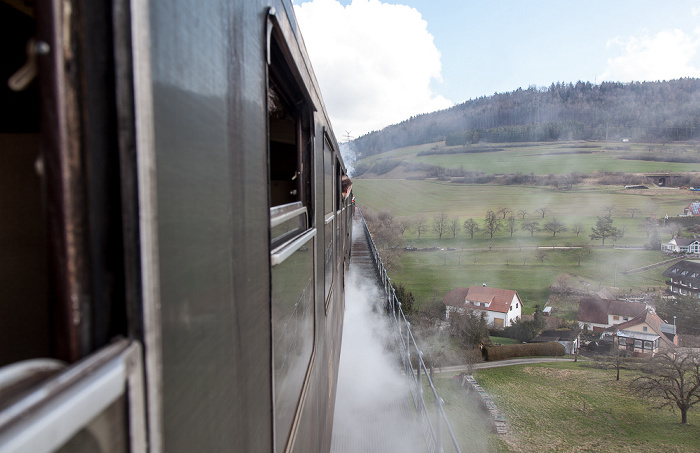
{"x": 650, "y": 318}
{"x": 683, "y": 242}
{"x": 605, "y": 294}
{"x": 456, "y": 297}
{"x": 690, "y": 266}
{"x": 498, "y": 299}
{"x": 596, "y": 310}
{"x": 694, "y": 208}
{"x": 557, "y": 335}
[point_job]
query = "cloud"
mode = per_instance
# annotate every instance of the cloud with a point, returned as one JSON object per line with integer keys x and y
{"x": 670, "y": 54}
{"x": 374, "y": 62}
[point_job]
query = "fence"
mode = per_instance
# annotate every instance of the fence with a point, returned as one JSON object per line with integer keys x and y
{"x": 409, "y": 349}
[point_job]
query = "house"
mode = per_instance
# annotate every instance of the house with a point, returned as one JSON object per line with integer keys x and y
{"x": 643, "y": 335}
{"x": 597, "y": 314}
{"x": 684, "y": 278}
{"x": 693, "y": 209}
{"x": 570, "y": 339}
{"x": 500, "y": 306}
{"x": 681, "y": 245}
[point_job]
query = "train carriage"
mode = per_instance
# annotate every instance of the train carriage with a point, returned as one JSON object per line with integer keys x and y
{"x": 174, "y": 230}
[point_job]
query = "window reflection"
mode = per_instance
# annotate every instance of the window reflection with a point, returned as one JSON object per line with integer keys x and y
{"x": 293, "y": 332}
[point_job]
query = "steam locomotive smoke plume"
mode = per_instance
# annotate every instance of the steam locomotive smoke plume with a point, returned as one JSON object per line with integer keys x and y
{"x": 372, "y": 404}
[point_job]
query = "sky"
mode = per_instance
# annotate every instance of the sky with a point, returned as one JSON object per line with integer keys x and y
{"x": 379, "y": 63}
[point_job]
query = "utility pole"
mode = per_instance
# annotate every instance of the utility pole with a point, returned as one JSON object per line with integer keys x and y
{"x": 606, "y": 135}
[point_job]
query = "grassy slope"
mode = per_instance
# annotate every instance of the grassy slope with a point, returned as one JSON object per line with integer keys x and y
{"x": 546, "y": 158}
{"x": 565, "y": 407}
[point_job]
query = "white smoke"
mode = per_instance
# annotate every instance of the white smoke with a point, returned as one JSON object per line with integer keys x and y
{"x": 347, "y": 150}
{"x": 372, "y": 403}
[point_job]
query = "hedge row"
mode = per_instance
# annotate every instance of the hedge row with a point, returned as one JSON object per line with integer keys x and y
{"x": 552, "y": 348}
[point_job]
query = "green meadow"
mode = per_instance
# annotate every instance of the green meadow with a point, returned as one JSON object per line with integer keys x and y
{"x": 552, "y": 158}
{"x": 566, "y": 406}
{"x": 512, "y": 261}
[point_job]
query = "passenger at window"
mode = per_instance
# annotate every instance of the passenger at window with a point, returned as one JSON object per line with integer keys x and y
{"x": 346, "y": 186}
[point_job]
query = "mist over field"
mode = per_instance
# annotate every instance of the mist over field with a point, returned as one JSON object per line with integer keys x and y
{"x": 585, "y": 182}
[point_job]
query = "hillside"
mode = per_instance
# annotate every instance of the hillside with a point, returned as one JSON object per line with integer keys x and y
{"x": 656, "y": 112}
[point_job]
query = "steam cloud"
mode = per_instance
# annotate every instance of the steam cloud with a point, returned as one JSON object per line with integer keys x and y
{"x": 373, "y": 401}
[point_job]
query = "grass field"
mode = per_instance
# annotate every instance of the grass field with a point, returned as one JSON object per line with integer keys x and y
{"x": 566, "y": 407}
{"x": 431, "y": 275}
{"x": 429, "y": 197}
{"x": 511, "y": 262}
{"x": 551, "y": 158}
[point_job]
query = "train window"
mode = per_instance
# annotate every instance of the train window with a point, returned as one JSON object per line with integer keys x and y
{"x": 292, "y": 237}
{"x": 328, "y": 186}
{"x": 24, "y": 307}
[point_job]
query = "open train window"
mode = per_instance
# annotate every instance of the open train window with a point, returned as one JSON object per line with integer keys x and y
{"x": 289, "y": 122}
{"x": 24, "y": 306}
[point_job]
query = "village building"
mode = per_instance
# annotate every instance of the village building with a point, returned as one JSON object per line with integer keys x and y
{"x": 643, "y": 335}
{"x": 500, "y": 306}
{"x": 684, "y": 278}
{"x": 597, "y": 314}
{"x": 682, "y": 245}
{"x": 693, "y": 209}
{"x": 570, "y": 339}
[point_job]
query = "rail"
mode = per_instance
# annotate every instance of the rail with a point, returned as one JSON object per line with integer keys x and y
{"x": 409, "y": 349}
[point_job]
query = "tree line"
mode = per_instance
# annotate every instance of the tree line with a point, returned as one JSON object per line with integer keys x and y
{"x": 504, "y": 220}
{"x": 641, "y": 111}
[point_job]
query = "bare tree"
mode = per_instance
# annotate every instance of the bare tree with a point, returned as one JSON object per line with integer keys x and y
{"x": 579, "y": 252}
{"x": 652, "y": 207}
{"x": 673, "y": 380}
{"x": 554, "y": 226}
{"x": 453, "y": 226}
{"x": 492, "y": 224}
{"x": 649, "y": 226}
{"x": 531, "y": 226}
{"x": 420, "y": 224}
{"x": 511, "y": 224}
{"x": 609, "y": 208}
{"x": 633, "y": 211}
{"x": 504, "y": 211}
{"x": 541, "y": 255}
{"x": 522, "y": 213}
{"x": 403, "y": 224}
{"x": 471, "y": 227}
{"x": 543, "y": 211}
{"x": 577, "y": 228}
{"x": 440, "y": 224}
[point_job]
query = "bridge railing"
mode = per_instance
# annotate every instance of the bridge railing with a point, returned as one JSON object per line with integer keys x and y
{"x": 433, "y": 427}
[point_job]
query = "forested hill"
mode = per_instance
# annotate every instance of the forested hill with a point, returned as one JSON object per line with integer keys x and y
{"x": 639, "y": 111}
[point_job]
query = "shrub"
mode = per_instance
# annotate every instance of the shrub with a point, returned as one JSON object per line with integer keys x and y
{"x": 552, "y": 348}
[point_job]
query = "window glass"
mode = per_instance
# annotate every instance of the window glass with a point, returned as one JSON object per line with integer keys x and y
{"x": 328, "y": 215}
{"x": 293, "y": 333}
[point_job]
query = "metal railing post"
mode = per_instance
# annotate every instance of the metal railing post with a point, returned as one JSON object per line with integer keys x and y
{"x": 438, "y": 418}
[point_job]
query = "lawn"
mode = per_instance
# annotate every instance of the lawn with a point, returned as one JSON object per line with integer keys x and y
{"x": 568, "y": 407}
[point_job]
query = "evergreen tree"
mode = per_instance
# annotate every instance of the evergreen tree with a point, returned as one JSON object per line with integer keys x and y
{"x": 604, "y": 229}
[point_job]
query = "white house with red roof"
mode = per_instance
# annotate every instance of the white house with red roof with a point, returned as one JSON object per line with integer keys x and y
{"x": 500, "y": 306}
